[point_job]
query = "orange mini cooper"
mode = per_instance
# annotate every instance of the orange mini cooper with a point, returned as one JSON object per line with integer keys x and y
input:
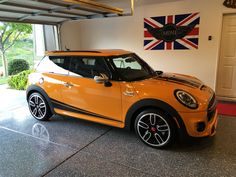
{"x": 118, "y": 88}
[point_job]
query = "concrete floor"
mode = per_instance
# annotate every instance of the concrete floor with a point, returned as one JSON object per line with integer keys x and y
{"x": 72, "y": 147}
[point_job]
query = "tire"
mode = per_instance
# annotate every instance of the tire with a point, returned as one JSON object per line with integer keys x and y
{"x": 155, "y": 128}
{"x": 39, "y": 107}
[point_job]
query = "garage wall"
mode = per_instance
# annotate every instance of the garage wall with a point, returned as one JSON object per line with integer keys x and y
{"x": 127, "y": 33}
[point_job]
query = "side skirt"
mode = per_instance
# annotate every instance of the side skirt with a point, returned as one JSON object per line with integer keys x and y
{"x": 64, "y": 109}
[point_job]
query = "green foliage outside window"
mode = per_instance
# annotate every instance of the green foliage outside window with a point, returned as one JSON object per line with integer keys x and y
{"x": 16, "y": 66}
{"x": 19, "y": 81}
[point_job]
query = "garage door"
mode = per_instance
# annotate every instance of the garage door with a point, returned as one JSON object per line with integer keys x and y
{"x": 52, "y": 12}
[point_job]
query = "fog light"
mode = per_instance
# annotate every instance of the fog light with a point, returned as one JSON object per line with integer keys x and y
{"x": 201, "y": 126}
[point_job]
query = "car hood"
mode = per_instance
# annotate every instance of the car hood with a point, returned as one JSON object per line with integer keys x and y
{"x": 162, "y": 87}
{"x": 180, "y": 79}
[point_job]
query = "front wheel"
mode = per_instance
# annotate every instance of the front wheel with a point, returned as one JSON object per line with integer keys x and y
{"x": 155, "y": 128}
{"x": 38, "y": 107}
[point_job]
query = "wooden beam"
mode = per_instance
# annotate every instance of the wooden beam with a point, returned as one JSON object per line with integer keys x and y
{"x": 69, "y": 6}
{"x": 96, "y": 5}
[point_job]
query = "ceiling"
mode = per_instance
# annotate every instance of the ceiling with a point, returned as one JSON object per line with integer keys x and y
{"x": 53, "y": 12}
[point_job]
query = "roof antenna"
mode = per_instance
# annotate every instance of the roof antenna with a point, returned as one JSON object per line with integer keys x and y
{"x": 67, "y": 49}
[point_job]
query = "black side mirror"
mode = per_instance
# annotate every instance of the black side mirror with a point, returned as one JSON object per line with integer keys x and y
{"x": 159, "y": 72}
{"x": 103, "y": 79}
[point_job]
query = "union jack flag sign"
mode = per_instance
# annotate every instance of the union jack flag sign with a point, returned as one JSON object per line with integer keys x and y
{"x": 173, "y": 32}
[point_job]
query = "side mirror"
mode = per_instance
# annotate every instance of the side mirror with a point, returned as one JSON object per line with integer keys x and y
{"x": 159, "y": 72}
{"x": 101, "y": 79}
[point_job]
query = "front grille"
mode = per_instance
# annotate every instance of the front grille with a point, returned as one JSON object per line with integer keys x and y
{"x": 211, "y": 108}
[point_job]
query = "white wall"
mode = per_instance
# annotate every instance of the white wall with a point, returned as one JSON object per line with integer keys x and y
{"x": 127, "y": 33}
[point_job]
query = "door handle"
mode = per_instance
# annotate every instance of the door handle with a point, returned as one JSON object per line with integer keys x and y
{"x": 128, "y": 93}
{"x": 67, "y": 84}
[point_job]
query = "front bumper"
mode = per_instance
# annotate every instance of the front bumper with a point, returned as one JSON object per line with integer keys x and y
{"x": 193, "y": 120}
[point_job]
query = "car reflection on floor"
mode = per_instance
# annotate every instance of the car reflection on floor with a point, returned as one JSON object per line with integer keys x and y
{"x": 40, "y": 131}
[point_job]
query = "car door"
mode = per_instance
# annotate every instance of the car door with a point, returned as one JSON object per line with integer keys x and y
{"x": 88, "y": 97}
{"x": 53, "y": 70}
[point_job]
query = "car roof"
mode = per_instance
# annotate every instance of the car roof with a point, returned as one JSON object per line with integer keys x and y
{"x": 111, "y": 52}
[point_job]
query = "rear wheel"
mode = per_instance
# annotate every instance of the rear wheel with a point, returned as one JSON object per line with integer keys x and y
{"x": 39, "y": 107}
{"x": 155, "y": 128}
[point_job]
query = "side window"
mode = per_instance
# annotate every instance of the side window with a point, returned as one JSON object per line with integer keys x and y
{"x": 58, "y": 65}
{"x": 89, "y": 61}
{"x": 63, "y": 62}
{"x": 88, "y": 66}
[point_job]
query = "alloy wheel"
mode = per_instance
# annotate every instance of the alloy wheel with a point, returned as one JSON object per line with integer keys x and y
{"x": 153, "y": 129}
{"x": 37, "y": 106}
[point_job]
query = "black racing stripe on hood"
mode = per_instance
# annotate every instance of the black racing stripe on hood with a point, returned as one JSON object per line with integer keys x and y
{"x": 180, "y": 80}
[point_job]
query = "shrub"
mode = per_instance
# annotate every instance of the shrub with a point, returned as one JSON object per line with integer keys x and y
{"x": 20, "y": 80}
{"x": 16, "y": 66}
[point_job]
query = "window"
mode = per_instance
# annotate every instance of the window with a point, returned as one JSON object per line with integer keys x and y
{"x": 127, "y": 62}
{"x": 88, "y": 67}
{"x": 58, "y": 65}
{"x": 89, "y": 61}
{"x": 131, "y": 68}
{"x": 63, "y": 62}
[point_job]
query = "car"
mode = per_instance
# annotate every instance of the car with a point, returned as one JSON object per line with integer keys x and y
{"x": 118, "y": 88}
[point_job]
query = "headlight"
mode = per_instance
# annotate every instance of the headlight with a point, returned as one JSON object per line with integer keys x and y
{"x": 186, "y": 99}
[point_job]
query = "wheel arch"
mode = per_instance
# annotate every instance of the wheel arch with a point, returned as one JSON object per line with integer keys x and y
{"x": 34, "y": 88}
{"x": 141, "y": 105}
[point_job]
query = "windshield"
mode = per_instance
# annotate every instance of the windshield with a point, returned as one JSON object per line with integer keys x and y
{"x": 131, "y": 68}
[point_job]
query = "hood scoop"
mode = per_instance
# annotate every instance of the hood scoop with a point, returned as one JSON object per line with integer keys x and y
{"x": 180, "y": 79}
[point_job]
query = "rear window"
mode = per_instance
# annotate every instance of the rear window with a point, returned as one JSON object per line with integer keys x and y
{"x": 63, "y": 62}
{"x": 53, "y": 65}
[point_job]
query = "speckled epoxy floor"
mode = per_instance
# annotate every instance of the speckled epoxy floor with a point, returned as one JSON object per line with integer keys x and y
{"x": 71, "y": 147}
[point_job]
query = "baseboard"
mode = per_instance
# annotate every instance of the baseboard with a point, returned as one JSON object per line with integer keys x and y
{"x": 226, "y": 99}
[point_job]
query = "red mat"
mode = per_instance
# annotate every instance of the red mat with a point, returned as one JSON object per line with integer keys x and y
{"x": 228, "y": 109}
